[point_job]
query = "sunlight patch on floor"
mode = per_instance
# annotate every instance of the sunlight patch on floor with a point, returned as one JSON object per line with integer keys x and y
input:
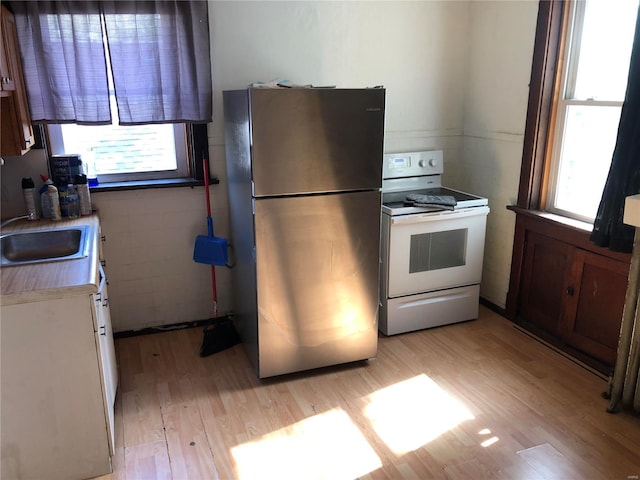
{"x": 412, "y": 413}
{"x": 490, "y": 441}
{"x": 325, "y": 446}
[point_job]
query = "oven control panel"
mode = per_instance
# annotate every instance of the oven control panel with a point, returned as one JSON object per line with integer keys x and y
{"x": 412, "y": 164}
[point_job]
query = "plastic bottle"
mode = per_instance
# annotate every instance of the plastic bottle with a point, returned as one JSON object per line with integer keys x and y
{"x": 29, "y": 195}
{"x": 73, "y": 206}
{"x": 68, "y": 200}
{"x": 90, "y": 162}
{"x": 84, "y": 196}
{"x": 45, "y": 199}
{"x": 54, "y": 203}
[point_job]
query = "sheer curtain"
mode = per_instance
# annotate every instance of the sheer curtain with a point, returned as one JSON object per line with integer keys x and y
{"x": 160, "y": 60}
{"x": 63, "y": 61}
{"x": 158, "y": 51}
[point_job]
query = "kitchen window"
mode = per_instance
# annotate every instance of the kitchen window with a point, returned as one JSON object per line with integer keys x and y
{"x": 127, "y": 84}
{"x": 594, "y": 53}
{"x": 120, "y": 153}
{"x": 124, "y": 153}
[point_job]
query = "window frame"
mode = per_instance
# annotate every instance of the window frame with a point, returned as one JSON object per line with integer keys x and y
{"x": 197, "y": 150}
{"x": 564, "y": 98}
{"x": 538, "y": 171}
{"x": 548, "y": 42}
{"x": 183, "y": 168}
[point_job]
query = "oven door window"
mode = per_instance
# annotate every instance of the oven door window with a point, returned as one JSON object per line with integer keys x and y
{"x": 428, "y": 253}
{"x": 433, "y": 251}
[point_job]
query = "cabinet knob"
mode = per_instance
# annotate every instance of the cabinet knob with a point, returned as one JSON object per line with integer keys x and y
{"x": 570, "y": 290}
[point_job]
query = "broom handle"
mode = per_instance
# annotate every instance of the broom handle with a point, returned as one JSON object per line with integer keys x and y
{"x": 205, "y": 168}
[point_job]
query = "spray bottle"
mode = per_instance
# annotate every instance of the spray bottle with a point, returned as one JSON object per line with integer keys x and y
{"x": 29, "y": 195}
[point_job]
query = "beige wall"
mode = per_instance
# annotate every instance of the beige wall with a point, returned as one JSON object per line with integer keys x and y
{"x": 456, "y": 75}
{"x": 501, "y": 38}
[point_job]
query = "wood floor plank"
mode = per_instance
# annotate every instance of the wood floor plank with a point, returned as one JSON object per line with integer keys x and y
{"x": 187, "y": 443}
{"x": 548, "y": 462}
{"x": 141, "y": 416}
{"x": 148, "y": 461}
{"x": 479, "y": 399}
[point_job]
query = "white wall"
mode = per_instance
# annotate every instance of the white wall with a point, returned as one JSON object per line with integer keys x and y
{"x": 417, "y": 50}
{"x": 501, "y": 38}
{"x": 448, "y": 86}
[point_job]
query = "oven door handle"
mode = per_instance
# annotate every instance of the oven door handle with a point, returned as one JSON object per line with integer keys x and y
{"x": 437, "y": 216}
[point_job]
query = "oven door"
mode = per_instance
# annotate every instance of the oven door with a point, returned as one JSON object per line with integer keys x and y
{"x": 434, "y": 251}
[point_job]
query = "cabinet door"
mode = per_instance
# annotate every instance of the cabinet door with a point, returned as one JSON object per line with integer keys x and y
{"x": 107, "y": 353}
{"x": 7, "y": 83}
{"x": 17, "y": 131}
{"x": 542, "y": 292}
{"x": 595, "y": 297}
{"x": 52, "y": 416}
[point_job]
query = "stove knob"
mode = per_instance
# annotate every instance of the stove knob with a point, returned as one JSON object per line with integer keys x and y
{"x": 432, "y": 162}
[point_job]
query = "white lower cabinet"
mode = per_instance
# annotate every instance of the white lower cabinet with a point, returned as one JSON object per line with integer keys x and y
{"x": 58, "y": 386}
{"x": 107, "y": 352}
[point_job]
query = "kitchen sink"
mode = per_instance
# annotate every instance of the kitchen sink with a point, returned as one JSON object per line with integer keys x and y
{"x": 39, "y": 246}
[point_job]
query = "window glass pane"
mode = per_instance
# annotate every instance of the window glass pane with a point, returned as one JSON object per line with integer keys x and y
{"x": 433, "y": 251}
{"x": 589, "y": 139}
{"x": 119, "y": 149}
{"x": 605, "y": 50}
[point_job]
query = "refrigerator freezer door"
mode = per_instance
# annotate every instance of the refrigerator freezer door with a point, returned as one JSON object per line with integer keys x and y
{"x": 317, "y": 275}
{"x": 316, "y": 140}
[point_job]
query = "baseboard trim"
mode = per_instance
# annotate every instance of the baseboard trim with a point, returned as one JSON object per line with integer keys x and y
{"x": 561, "y": 352}
{"x": 166, "y": 328}
{"x": 501, "y": 311}
{"x": 492, "y": 306}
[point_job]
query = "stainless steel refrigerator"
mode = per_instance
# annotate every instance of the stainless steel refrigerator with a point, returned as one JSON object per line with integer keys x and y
{"x": 304, "y": 167}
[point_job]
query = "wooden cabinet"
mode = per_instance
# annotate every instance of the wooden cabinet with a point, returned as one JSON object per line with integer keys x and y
{"x": 17, "y": 131}
{"x": 568, "y": 291}
{"x": 545, "y": 264}
{"x": 59, "y": 379}
{"x": 595, "y": 288}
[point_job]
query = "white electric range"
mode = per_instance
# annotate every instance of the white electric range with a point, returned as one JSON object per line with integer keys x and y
{"x": 431, "y": 255}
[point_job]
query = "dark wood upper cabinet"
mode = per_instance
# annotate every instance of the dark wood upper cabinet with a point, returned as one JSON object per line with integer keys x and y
{"x": 17, "y": 131}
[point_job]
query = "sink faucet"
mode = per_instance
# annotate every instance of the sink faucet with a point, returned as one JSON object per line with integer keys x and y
{"x": 31, "y": 216}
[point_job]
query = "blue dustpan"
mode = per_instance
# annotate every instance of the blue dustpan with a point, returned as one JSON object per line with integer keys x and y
{"x": 210, "y": 249}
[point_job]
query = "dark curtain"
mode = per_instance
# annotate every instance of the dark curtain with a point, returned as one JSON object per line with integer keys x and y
{"x": 624, "y": 175}
{"x": 158, "y": 51}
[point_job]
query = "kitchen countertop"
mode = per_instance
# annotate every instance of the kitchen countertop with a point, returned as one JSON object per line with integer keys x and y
{"x": 49, "y": 280}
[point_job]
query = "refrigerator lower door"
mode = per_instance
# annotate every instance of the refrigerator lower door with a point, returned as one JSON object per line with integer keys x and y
{"x": 317, "y": 260}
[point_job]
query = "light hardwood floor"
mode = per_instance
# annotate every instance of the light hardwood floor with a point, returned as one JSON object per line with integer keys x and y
{"x": 468, "y": 401}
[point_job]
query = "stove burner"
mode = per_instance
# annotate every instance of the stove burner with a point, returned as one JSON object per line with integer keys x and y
{"x": 397, "y": 203}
